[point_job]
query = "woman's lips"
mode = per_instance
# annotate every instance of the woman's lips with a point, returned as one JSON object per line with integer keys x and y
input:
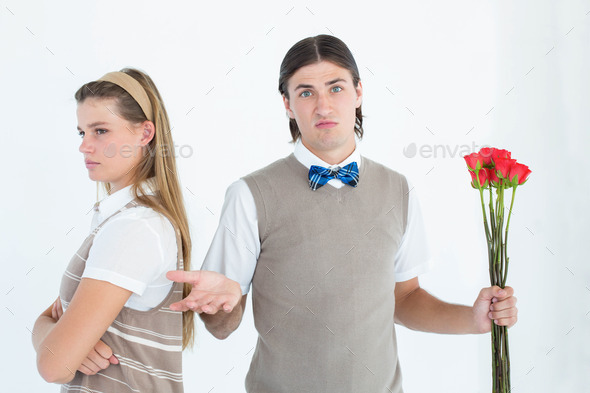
{"x": 91, "y": 164}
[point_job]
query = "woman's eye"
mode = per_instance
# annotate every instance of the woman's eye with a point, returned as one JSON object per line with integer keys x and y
{"x": 81, "y": 134}
{"x": 336, "y": 89}
{"x": 306, "y": 93}
{"x": 100, "y": 131}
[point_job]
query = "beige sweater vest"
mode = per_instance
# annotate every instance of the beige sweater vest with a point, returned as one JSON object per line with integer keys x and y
{"x": 148, "y": 344}
{"x": 323, "y": 288}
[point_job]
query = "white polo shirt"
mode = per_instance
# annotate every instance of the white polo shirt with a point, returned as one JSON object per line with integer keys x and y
{"x": 133, "y": 250}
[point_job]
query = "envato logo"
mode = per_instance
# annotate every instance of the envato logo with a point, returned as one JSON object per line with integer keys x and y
{"x": 127, "y": 151}
{"x": 440, "y": 151}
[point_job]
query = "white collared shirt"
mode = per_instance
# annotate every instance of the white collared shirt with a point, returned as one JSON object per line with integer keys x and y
{"x": 133, "y": 250}
{"x": 236, "y": 244}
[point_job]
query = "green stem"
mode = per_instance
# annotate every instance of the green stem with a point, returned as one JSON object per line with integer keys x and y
{"x": 492, "y": 246}
{"x": 504, "y": 379}
{"x": 497, "y": 238}
{"x": 494, "y": 365}
{"x": 492, "y": 221}
{"x": 498, "y": 357}
{"x": 507, "y": 364}
{"x": 485, "y": 220}
{"x": 506, "y": 238}
{"x": 498, "y": 260}
{"x": 490, "y": 259}
{"x": 488, "y": 233}
{"x": 502, "y": 242}
{"x": 493, "y": 214}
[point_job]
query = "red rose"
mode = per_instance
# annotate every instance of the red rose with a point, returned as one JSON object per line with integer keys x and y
{"x": 483, "y": 175}
{"x": 495, "y": 180}
{"x": 502, "y": 166}
{"x": 474, "y": 161}
{"x": 519, "y": 173}
{"x": 500, "y": 153}
{"x": 486, "y": 155}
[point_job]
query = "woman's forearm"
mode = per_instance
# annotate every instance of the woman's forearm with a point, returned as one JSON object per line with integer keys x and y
{"x": 43, "y": 327}
{"x": 63, "y": 346}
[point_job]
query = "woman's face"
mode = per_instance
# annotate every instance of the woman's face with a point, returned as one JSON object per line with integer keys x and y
{"x": 112, "y": 146}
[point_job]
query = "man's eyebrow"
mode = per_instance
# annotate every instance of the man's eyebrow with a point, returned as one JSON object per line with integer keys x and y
{"x": 304, "y": 86}
{"x": 335, "y": 81}
{"x": 97, "y": 123}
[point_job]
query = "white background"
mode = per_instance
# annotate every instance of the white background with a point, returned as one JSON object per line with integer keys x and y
{"x": 448, "y": 76}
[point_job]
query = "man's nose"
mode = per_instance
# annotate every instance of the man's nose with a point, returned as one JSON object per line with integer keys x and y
{"x": 324, "y": 104}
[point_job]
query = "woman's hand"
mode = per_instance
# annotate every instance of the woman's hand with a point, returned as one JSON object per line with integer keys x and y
{"x": 57, "y": 310}
{"x": 99, "y": 358}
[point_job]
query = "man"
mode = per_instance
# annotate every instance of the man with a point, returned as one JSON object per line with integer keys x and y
{"x": 332, "y": 244}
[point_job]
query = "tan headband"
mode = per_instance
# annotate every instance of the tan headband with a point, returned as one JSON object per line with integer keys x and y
{"x": 133, "y": 87}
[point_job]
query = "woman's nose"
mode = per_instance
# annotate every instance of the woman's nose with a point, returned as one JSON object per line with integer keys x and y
{"x": 86, "y": 145}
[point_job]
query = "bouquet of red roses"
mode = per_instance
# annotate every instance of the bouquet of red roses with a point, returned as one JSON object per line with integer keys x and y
{"x": 492, "y": 168}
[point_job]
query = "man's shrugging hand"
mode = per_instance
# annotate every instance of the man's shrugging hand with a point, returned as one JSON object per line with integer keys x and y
{"x": 211, "y": 292}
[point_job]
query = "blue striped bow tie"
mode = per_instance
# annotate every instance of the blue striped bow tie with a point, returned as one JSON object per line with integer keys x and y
{"x": 319, "y": 176}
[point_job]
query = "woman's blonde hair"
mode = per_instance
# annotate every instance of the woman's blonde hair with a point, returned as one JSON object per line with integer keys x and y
{"x": 158, "y": 161}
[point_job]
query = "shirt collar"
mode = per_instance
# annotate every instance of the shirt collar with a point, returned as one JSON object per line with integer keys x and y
{"x": 113, "y": 202}
{"x": 308, "y": 159}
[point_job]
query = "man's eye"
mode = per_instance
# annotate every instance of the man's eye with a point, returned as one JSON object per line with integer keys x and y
{"x": 100, "y": 131}
{"x": 81, "y": 134}
{"x": 306, "y": 93}
{"x": 336, "y": 89}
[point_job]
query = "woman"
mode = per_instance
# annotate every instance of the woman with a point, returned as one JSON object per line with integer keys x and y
{"x": 117, "y": 332}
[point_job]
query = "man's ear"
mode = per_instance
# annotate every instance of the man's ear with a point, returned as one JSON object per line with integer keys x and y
{"x": 288, "y": 107}
{"x": 148, "y": 132}
{"x": 359, "y": 94}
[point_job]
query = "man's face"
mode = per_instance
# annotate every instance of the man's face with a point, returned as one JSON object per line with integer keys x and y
{"x": 323, "y": 101}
